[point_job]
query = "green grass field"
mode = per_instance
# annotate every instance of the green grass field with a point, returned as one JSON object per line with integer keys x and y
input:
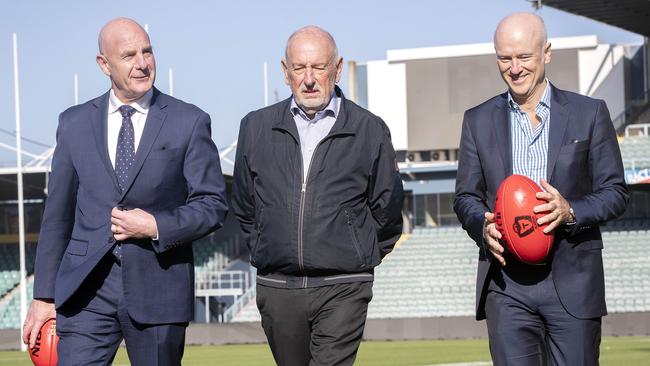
{"x": 619, "y": 351}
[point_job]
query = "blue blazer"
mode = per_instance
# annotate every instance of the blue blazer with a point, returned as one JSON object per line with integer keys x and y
{"x": 584, "y": 164}
{"x": 176, "y": 177}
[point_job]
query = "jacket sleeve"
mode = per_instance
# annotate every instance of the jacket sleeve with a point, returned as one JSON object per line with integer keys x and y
{"x": 206, "y": 206}
{"x": 243, "y": 200}
{"x": 58, "y": 217}
{"x": 470, "y": 201}
{"x": 386, "y": 195}
{"x": 609, "y": 195}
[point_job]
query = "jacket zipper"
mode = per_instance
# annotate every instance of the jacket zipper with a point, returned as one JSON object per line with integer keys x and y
{"x": 301, "y": 212}
{"x": 301, "y": 215}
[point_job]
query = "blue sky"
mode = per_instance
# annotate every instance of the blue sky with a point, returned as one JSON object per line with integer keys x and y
{"x": 217, "y": 48}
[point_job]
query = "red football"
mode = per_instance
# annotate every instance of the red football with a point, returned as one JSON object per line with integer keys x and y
{"x": 44, "y": 351}
{"x": 517, "y": 222}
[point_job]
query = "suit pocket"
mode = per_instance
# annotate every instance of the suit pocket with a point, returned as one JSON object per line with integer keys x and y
{"x": 575, "y": 147}
{"x": 258, "y": 230}
{"x": 354, "y": 235}
{"x": 77, "y": 247}
{"x": 166, "y": 154}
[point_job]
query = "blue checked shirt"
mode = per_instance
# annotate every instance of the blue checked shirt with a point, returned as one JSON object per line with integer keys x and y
{"x": 530, "y": 147}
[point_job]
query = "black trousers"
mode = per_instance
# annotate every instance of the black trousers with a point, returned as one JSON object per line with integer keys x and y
{"x": 93, "y": 324}
{"x": 528, "y": 326}
{"x": 314, "y": 326}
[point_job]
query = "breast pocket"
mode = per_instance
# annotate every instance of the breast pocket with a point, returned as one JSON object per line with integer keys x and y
{"x": 163, "y": 169}
{"x": 575, "y": 147}
{"x": 573, "y": 159}
{"x": 166, "y": 154}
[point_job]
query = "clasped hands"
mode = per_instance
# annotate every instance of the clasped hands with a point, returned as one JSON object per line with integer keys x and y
{"x": 559, "y": 213}
{"x": 134, "y": 223}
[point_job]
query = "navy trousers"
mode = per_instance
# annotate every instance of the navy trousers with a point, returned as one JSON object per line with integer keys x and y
{"x": 93, "y": 323}
{"x": 320, "y": 326}
{"x": 527, "y": 324}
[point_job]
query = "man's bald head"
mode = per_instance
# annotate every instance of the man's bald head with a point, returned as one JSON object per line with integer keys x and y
{"x": 312, "y": 32}
{"x": 126, "y": 57}
{"x": 311, "y": 67}
{"x": 523, "y": 51}
{"x": 114, "y": 29}
{"x": 526, "y": 27}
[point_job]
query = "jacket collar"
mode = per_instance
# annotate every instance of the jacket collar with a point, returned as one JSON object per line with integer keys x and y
{"x": 500, "y": 120}
{"x": 559, "y": 123}
{"x": 343, "y": 124}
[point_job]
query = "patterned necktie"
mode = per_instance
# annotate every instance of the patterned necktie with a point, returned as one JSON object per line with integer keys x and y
{"x": 124, "y": 158}
{"x": 125, "y": 155}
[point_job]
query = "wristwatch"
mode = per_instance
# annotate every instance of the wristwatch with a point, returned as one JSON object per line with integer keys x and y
{"x": 573, "y": 218}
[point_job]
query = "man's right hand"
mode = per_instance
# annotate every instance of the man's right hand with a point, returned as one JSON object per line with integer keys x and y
{"x": 491, "y": 236}
{"x": 39, "y": 312}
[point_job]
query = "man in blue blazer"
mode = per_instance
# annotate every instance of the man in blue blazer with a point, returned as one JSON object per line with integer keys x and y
{"x": 135, "y": 179}
{"x": 566, "y": 142}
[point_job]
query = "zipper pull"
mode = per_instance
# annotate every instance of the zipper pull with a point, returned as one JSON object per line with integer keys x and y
{"x": 304, "y": 187}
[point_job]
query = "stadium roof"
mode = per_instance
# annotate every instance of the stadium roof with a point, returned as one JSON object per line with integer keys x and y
{"x": 631, "y": 15}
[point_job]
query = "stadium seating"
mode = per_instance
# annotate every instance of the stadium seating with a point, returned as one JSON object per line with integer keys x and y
{"x": 636, "y": 150}
{"x": 433, "y": 274}
{"x": 210, "y": 255}
{"x": 8, "y": 280}
{"x": 10, "y": 307}
{"x": 430, "y": 274}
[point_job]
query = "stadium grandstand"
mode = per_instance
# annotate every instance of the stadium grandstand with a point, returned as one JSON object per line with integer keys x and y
{"x": 432, "y": 271}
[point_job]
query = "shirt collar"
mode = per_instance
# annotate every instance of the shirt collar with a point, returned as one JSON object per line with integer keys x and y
{"x": 545, "y": 100}
{"x": 332, "y": 109}
{"x": 141, "y": 105}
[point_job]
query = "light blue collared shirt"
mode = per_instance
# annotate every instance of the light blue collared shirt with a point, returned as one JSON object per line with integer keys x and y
{"x": 312, "y": 131}
{"x": 530, "y": 147}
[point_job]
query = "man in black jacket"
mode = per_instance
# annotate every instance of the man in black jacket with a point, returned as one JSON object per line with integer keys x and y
{"x": 319, "y": 197}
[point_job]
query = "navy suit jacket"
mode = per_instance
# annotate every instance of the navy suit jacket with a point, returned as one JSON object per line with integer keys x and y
{"x": 584, "y": 165}
{"x": 176, "y": 177}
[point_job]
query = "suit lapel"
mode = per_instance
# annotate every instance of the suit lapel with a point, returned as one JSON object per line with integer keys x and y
{"x": 99, "y": 120}
{"x": 155, "y": 120}
{"x": 559, "y": 122}
{"x": 501, "y": 123}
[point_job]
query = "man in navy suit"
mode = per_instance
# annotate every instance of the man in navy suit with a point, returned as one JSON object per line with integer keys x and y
{"x": 135, "y": 179}
{"x": 566, "y": 142}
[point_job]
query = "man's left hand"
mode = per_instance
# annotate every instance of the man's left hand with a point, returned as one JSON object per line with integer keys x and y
{"x": 134, "y": 223}
{"x": 559, "y": 211}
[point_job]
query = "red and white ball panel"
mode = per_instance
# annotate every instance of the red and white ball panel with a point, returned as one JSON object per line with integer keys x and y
{"x": 517, "y": 222}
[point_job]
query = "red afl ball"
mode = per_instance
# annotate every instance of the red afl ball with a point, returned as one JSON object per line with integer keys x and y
{"x": 44, "y": 351}
{"x": 517, "y": 222}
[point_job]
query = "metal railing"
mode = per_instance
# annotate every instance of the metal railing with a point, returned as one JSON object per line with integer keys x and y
{"x": 209, "y": 280}
{"x": 637, "y": 130}
{"x": 239, "y": 304}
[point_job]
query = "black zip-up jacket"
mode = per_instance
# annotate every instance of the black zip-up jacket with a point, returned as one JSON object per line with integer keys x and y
{"x": 339, "y": 224}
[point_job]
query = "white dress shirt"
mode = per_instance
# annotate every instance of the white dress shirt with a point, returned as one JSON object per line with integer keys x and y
{"x": 115, "y": 120}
